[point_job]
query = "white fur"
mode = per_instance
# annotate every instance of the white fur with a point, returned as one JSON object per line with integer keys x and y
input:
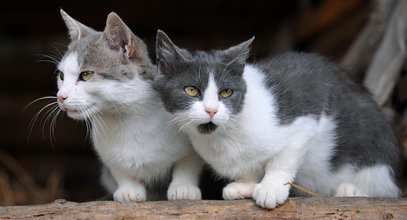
{"x": 238, "y": 190}
{"x": 131, "y": 134}
{"x": 255, "y": 148}
{"x": 210, "y": 99}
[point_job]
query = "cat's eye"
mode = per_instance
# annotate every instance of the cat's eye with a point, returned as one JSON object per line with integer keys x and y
{"x": 61, "y": 75}
{"x": 226, "y": 93}
{"x": 86, "y": 75}
{"x": 192, "y": 91}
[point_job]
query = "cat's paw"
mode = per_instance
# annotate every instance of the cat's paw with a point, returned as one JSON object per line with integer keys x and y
{"x": 270, "y": 196}
{"x": 349, "y": 190}
{"x": 238, "y": 190}
{"x": 183, "y": 192}
{"x": 130, "y": 194}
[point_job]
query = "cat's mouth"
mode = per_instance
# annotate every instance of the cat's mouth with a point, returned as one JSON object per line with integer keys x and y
{"x": 207, "y": 128}
{"x": 79, "y": 114}
{"x": 74, "y": 113}
{"x": 71, "y": 110}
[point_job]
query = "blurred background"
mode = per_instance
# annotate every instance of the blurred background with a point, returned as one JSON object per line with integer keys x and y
{"x": 43, "y": 165}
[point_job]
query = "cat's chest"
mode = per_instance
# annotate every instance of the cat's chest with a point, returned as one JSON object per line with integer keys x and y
{"x": 122, "y": 149}
{"x": 133, "y": 145}
{"x": 232, "y": 155}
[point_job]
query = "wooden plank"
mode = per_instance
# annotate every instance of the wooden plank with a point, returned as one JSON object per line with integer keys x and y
{"x": 294, "y": 208}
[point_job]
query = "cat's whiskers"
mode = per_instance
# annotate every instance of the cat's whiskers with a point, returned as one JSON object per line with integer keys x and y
{"x": 185, "y": 125}
{"x": 34, "y": 119}
{"x": 57, "y": 53}
{"x": 96, "y": 118}
{"x": 117, "y": 110}
{"x": 53, "y": 123}
{"x": 178, "y": 118}
{"x": 48, "y": 115}
{"x": 86, "y": 119}
{"x": 53, "y": 115}
{"x": 50, "y": 59}
{"x": 36, "y": 100}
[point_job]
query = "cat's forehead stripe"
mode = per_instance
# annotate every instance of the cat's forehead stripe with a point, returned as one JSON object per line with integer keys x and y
{"x": 211, "y": 94}
{"x": 69, "y": 64}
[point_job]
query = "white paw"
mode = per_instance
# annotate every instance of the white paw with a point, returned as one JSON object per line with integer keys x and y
{"x": 269, "y": 195}
{"x": 184, "y": 192}
{"x": 238, "y": 190}
{"x": 349, "y": 190}
{"x": 130, "y": 194}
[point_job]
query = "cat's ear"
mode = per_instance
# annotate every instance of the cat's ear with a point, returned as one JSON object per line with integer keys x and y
{"x": 238, "y": 53}
{"x": 166, "y": 50}
{"x": 119, "y": 36}
{"x": 76, "y": 29}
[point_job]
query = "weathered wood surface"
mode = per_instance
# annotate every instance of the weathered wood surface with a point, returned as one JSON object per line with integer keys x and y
{"x": 295, "y": 208}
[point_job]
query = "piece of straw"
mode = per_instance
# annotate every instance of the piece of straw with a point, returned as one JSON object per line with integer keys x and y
{"x": 304, "y": 190}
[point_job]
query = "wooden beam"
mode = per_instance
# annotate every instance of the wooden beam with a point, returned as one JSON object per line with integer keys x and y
{"x": 333, "y": 208}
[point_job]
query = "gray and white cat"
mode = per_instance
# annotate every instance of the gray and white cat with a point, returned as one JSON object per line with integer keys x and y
{"x": 294, "y": 118}
{"x": 106, "y": 78}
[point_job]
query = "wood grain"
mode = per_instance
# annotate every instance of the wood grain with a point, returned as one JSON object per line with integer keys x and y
{"x": 294, "y": 208}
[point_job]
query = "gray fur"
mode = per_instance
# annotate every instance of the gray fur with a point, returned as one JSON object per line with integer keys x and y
{"x": 111, "y": 53}
{"x": 303, "y": 84}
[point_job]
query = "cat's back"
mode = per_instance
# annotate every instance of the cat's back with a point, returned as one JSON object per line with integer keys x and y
{"x": 301, "y": 83}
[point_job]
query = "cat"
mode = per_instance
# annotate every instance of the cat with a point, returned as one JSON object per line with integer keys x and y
{"x": 105, "y": 78}
{"x": 292, "y": 118}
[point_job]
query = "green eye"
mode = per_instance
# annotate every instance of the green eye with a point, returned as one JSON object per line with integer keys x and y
{"x": 86, "y": 75}
{"x": 192, "y": 91}
{"x": 226, "y": 93}
{"x": 61, "y": 75}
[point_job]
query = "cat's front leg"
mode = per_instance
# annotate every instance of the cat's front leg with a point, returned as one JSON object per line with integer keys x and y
{"x": 281, "y": 169}
{"x": 185, "y": 179}
{"x": 129, "y": 189}
{"x": 273, "y": 190}
{"x": 239, "y": 189}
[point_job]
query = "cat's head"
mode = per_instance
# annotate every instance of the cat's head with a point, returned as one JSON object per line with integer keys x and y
{"x": 102, "y": 71}
{"x": 203, "y": 90}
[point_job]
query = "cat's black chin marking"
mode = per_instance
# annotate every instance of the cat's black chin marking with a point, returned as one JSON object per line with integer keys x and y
{"x": 207, "y": 128}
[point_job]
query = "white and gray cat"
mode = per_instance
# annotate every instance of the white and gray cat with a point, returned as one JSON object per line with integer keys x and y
{"x": 294, "y": 118}
{"x": 106, "y": 78}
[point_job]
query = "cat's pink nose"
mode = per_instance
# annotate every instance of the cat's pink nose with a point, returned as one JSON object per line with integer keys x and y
{"x": 62, "y": 98}
{"x": 211, "y": 112}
